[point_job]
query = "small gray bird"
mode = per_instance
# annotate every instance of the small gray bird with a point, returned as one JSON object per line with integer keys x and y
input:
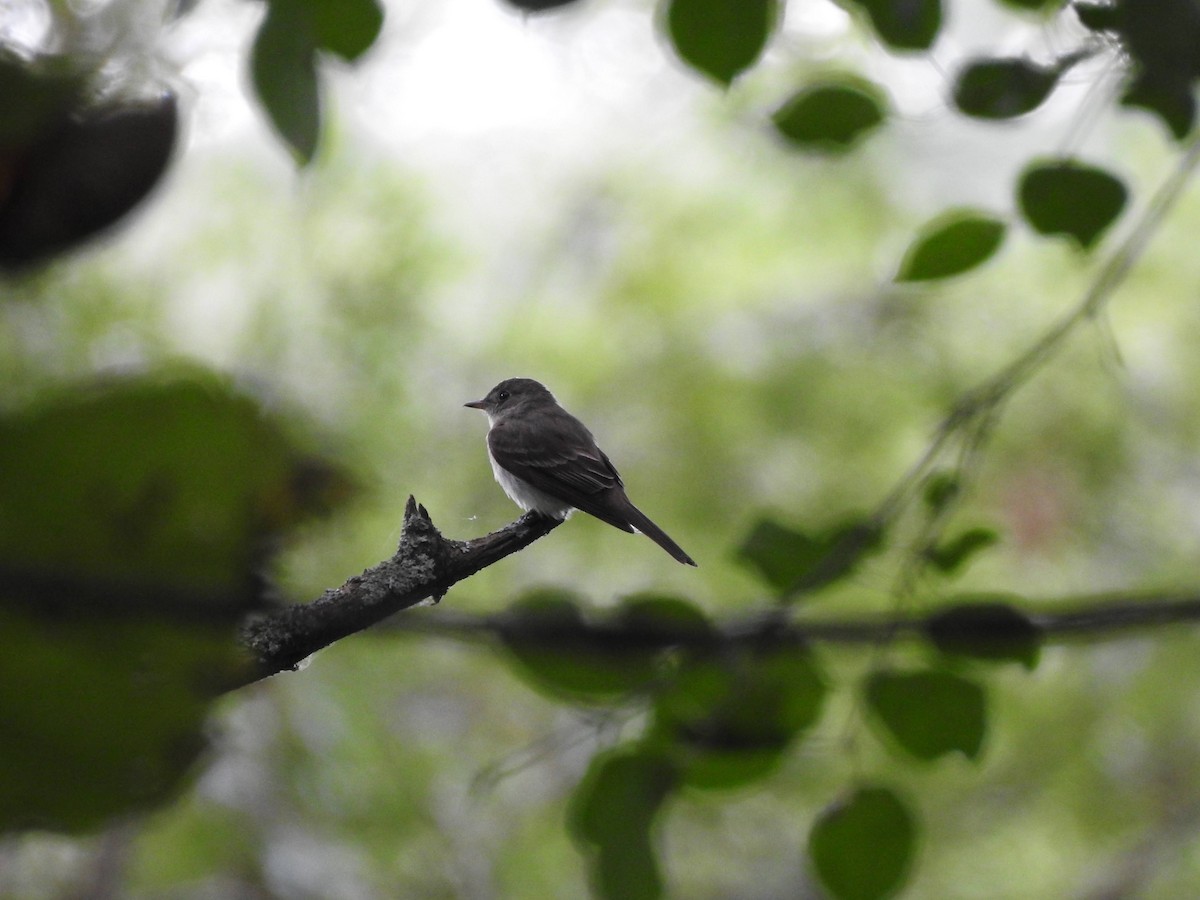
{"x": 547, "y": 460}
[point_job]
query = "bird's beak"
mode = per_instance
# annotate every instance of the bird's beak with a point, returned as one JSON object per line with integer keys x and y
{"x": 476, "y": 404}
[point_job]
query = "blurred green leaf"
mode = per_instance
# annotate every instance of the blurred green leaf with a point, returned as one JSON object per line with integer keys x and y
{"x": 146, "y": 494}
{"x": 1003, "y": 88}
{"x": 135, "y": 519}
{"x": 831, "y": 116}
{"x": 795, "y": 562}
{"x": 612, "y": 815}
{"x": 863, "y": 846}
{"x": 952, "y": 244}
{"x": 986, "y": 628}
{"x": 1069, "y": 198}
{"x": 951, "y": 555}
{"x": 664, "y": 619}
{"x": 727, "y": 722}
{"x": 930, "y": 713}
{"x": 109, "y": 716}
{"x": 284, "y": 71}
{"x": 941, "y": 489}
{"x": 779, "y": 554}
{"x": 904, "y": 24}
{"x": 721, "y": 38}
{"x": 569, "y": 657}
{"x": 345, "y": 27}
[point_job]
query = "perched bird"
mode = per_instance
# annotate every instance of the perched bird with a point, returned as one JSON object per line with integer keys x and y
{"x": 547, "y": 460}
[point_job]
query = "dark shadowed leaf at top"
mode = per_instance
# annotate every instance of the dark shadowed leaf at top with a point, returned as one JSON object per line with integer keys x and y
{"x": 1098, "y": 16}
{"x": 81, "y": 175}
{"x": 347, "y": 28}
{"x": 1067, "y": 197}
{"x": 721, "y": 38}
{"x": 929, "y": 713}
{"x": 831, "y": 116}
{"x": 1162, "y": 38}
{"x": 952, "y": 244}
{"x": 903, "y": 24}
{"x": 284, "y": 72}
{"x": 35, "y": 93}
{"x": 1003, "y": 88}
{"x": 988, "y": 628}
{"x": 612, "y": 816}
{"x": 863, "y": 845}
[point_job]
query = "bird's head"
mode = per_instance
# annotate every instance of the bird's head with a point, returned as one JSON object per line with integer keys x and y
{"x": 510, "y": 394}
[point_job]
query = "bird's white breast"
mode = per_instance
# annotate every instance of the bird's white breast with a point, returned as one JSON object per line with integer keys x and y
{"x": 525, "y": 495}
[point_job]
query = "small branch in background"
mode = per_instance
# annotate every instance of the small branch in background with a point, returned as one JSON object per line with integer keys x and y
{"x": 424, "y": 567}
{"x": 1079, "y": 621}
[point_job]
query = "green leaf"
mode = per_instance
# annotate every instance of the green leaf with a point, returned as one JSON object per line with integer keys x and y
{"x": 795, "y": 562}
{"x": 83, "y": 174}
{"x": 779, "y": 554}
{"x": 950, "y": 245}
{"x": 831, "y": 116}
{"x": 345, "y": 27}
{"x": 904, "y": 24}
{"x": 109, "y": 717}
{"x": 135, "y": 522}
{"x": 1162, "y": 40}
{"x": 1003, "y": 88}
{"x": 941, "y": 489}
{"x": 1104, "y": 17}
{"x": 571, "y": 658}
{"x": 930, "y": 713}
{"x": 863, "y": 846}
{"x": 660, "y": 621}
{"x": 721, "y": 38}
{"x": 164, "y": 496}
{"x": 986, "y": 628}
{"x": 612, "y": 816}
{"x": 1069, "y": 198}
{"x": 950, "y": 556}
{"x": 284, "y": 71}
{"x": 725, "y": 723}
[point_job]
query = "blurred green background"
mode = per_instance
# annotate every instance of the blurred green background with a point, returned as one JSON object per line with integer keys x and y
{"x": 555, "y": 197}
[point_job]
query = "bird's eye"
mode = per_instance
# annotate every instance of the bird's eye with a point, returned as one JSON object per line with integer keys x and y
{"x": 503, "y": 395}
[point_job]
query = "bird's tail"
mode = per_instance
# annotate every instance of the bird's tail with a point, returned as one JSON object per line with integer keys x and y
{"x": 642, "y": 523}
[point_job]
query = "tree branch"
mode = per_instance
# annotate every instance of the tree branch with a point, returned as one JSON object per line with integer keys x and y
{"x": 1082, "y": 620}
{"x": 424, "y": 567}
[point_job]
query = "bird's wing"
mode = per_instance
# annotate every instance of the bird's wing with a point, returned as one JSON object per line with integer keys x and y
{"x": 559, "y": 458}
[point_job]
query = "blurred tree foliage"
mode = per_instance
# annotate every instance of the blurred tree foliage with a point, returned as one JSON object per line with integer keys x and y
{"x": 906, "y": 493}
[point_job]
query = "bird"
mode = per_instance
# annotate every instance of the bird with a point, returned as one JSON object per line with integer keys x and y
{"x": 546, "y": 460}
